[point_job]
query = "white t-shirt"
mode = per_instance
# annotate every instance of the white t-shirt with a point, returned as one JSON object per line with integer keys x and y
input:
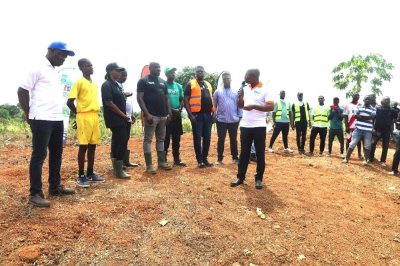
{"x": 258, "y": 96}
{"x": 350, "y": 110}
{"x": 129, "y": 108}
{"x": 45, "y": 91}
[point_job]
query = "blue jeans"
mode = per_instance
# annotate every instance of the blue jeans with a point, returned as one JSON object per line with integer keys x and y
{"x": 45, "y": 134}
{"x": 356, "y": 137}
{"x": 202, "y": 129}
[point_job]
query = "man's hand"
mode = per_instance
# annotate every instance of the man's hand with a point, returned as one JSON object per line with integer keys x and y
{"x": 248, "y": 107}
{"x": 26, "y": 116}
{"x": 133, "y": 119}
{"x": 149, "y": 119}
{"x": 74, "y": 125}
{"x": 213, "y": 118}
{"x": 192, "y": 119}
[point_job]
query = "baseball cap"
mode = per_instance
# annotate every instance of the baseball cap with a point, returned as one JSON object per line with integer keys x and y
{"x": 62, "y": 46}
{"x": 299, "y": 93}
{"x": 113, "y": 66}
{"x": 168, "y": 69}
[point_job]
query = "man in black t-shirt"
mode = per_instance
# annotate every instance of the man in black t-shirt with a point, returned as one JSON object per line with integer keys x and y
{"x": 200, "y": 108}
{"x": 152, "y": 96}
{"x": 385, "y": 116}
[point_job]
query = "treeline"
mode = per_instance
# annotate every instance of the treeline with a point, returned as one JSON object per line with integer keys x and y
{"x": 9, "y": 111}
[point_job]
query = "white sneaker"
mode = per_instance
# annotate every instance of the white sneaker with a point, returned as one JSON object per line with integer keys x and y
{"x": 270, "y": 150}
{"x": 345, "y": 160}
{"x": 383, "y": 164}
{"x": 288, "y": 150}
{"x": 218, "y": 163}
{"x": 342, "y": 155}
{"x": 392, "y": 173}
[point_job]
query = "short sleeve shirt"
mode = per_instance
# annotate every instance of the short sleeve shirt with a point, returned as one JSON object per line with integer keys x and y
{"x": 336, "y": 121}
{"x": 45, "y": 91}
{"x": 86, "y": 94}
{"x": 155, "y": 90}
{"x": 175, "y": 94}
{"x": 258, "y": 96}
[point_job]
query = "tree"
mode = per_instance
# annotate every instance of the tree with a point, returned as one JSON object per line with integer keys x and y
{"x": 352, "y": 75}
{"x": 183, "y": 77}
{"x": 13, "y": 110}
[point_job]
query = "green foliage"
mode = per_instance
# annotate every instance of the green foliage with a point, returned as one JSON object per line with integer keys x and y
{"x": 4, "y": 114}
{"x": 183, "y": 77}
{"x": 353, "y": 74}
{"x": 8, "y": 111}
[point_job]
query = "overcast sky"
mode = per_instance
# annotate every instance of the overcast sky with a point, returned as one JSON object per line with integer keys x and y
{"x": 295, "y": 44}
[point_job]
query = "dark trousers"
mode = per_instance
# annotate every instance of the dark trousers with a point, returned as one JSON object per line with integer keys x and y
{"x": 232, "y": 131}
{"x": 202, "y": 131}
{"x": 119, "y": 142}
{"x": 321, "y": 131}
{"x": 385, "y": 136}
{"x": 339, "y": 134}
{"x": 45, "y": 134}
{"x": 128, "y": 130}
{"x": 174, "y": 131}
{"x": 396, "y": 158}
{"x": 301, "y": 133}
{"x": 247, "y": 136}
{"x": 279, "y": 126}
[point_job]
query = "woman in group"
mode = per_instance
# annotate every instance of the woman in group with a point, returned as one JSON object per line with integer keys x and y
{"x": 115, "y": 118}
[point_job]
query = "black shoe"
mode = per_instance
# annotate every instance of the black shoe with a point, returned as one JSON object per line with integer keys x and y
{"x": 253, "y": 158}
{"x": 61, "y": 190}
{"x": 38, "y": 200}
{"x": 179, "y": 163}
{"x": 201, "y": 165}
{"x": 207, "y": 163}
{"x": 237, "y": 182}
{"x": 259, "y": 184}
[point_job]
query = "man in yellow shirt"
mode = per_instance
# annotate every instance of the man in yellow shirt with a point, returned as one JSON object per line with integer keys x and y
{"x": 87, "y": 120}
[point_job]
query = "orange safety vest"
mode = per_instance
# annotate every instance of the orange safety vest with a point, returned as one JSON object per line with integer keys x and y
{"x": 195, "y": 96}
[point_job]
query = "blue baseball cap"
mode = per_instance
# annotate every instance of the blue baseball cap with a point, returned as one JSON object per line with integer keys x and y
{"x": 62, "y": 46}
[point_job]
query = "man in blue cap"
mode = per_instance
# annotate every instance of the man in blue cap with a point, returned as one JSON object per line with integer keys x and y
{"x": 41, "y": 98}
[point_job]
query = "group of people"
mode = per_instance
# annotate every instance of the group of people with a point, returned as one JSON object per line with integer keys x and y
{"x": 161, "y": 102}
{"x": 364, "y": 123}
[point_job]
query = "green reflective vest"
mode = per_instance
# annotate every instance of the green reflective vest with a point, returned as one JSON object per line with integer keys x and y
{"x": 297, "y": 114}
{"x": 278, "y": 113}
{"x": 321, "y": 116}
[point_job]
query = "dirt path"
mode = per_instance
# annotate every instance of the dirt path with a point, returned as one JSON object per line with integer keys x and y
{"x": 318, "y": 212}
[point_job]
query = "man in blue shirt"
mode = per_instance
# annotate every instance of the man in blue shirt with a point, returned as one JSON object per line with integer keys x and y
{"x": 228, "y": 115}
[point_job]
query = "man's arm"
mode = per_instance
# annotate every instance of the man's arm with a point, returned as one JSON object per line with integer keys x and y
{"x": 71, "y": 105}
{"x": 23, "y": 98}
{"x": 269, "y": 106}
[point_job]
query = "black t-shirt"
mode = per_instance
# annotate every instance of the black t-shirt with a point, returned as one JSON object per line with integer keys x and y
{"x": 206, "y": 100}
{"x": 155, "y": 91}
{"x": 110, "y": 91}
{"x": 384, "y": 119}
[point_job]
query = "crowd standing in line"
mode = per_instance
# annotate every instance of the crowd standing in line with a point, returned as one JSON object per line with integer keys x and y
{"x": 162, "y": 102}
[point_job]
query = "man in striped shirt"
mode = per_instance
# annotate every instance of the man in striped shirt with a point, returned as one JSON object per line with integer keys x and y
{"x": 228, "y": 115}
{"x": 363, "y": 129}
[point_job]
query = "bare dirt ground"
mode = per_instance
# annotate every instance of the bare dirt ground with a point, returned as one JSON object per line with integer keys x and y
{"x": 317, "y": 212}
